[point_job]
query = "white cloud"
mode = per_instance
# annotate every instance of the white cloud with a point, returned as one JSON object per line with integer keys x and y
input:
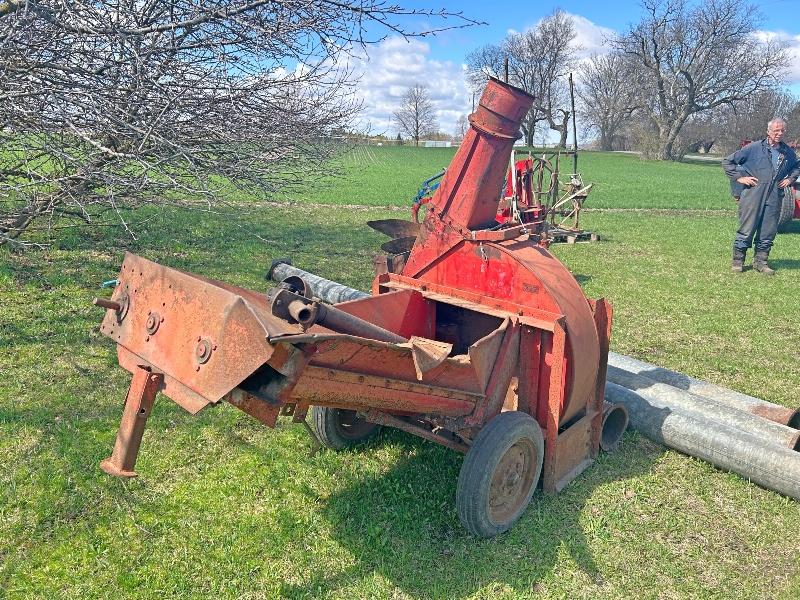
{"x": 396, "y": 64}
{"x": 590, "y": 38}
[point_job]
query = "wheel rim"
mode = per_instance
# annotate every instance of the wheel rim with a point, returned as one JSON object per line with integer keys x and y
{"x": 350, "y": 426}
{"x": 512, "y": 481}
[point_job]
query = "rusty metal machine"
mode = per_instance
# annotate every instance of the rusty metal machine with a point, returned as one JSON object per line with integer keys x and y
{"x": 536, "y": 195}
{"x": 479, "y": 339}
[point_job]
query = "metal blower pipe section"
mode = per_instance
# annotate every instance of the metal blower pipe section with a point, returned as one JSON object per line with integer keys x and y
{"x": 770, "y": 466}
{"x": 700, "y": 407}
{"x": 615, "y": 422}
{"x": 757, "y": 406}
{"x": 324, "y": 289}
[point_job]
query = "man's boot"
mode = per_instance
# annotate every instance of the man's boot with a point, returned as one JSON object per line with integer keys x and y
{"x": 760, "y": 264}
{"x": 738, "y": 260}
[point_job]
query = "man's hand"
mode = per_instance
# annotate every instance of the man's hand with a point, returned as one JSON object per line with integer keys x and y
{"x": 784, "y": 183}
{"x": 750, "y": 181}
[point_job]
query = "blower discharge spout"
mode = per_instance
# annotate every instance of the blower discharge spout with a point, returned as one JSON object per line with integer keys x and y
{"x": 468, "y": 196}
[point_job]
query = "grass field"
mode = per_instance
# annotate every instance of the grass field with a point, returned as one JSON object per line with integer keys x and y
{"x": 226, "y": 508}
{"x": 390, "y": 176}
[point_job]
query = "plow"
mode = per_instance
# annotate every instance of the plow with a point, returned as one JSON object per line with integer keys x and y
{"x": 474, "y": 337}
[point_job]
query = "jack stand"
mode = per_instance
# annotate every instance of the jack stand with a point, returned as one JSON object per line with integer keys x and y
{"x": 138, "y": 404}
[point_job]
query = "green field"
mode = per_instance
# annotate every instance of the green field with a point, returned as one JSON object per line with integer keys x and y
{"x": 390, "y": 176}
{"x": 226, "y": 508}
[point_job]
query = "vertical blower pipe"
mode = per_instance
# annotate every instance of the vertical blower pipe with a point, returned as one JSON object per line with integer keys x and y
{"x": 770, "y": 466}
{"x": 470, "y": 189}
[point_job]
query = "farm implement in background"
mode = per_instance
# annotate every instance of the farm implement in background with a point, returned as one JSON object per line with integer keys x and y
{"x": 533, "y": 194}
{"x": 476, "y": 338}
{"x": 536, "y": 195}
{"x": 790, "y": 208}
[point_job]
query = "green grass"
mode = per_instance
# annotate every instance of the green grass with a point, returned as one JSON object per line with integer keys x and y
{"x": 226, "y": 508}
{"x": 391, "y": 176}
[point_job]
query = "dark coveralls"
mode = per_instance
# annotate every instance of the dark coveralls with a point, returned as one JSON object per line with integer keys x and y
{"x": 760, "y": 205}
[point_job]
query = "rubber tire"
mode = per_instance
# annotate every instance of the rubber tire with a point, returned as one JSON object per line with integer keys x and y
{"x": 330, "y": 425}
{"x": 787, "y": 208}
{"x": 491, "y": 444}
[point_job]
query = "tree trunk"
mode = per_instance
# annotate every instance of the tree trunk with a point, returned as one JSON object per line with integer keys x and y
{"x": 564, "y": 133}
{"x": 606, "y": 140}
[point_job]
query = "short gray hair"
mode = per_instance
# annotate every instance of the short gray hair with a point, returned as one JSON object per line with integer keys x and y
{"x": 775, "y": 121}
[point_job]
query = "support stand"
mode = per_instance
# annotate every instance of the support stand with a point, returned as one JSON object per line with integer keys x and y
{"x": 138, "y": 403}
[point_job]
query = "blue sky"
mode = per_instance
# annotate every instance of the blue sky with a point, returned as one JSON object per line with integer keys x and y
{"x": 437, "y": 61}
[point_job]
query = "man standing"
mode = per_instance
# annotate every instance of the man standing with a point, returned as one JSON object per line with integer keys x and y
{"x": 764, "y": 168}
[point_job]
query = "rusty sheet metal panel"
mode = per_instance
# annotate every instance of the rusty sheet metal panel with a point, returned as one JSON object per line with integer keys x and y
{"x": 504, "y": 362}
{"x": 355, "y": 391}
{"x": 528, "y": 276}
{"x": 469, "y": 299}
{"x": 572, "y": 456}
{"x": 382, "y": 359}
{"x": 202, "y": 334}
{"x": 405, "y": 312}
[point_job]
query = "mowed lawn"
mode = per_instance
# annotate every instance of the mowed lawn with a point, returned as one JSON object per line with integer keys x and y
{"x": 226, "y": 508}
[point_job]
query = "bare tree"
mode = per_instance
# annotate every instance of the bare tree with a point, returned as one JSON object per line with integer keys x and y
{"x": 105, "y": 106}
{"x": 462, "y": 126}
{"x": 748, "y": 120}
{"x": 608, "y": 91}
{"x": 694, "y": 58}
{"x": 416, "y": 116}
{"x": 539, "y": 60}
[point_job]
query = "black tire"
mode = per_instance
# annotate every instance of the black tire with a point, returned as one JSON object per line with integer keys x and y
{"x": 787, "y": 208}
{"x": 337, "y": 428}
{"x": 500, "y": 474}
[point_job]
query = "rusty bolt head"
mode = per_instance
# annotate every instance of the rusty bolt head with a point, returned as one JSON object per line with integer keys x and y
{"x": 202, "y": 351}
{"x": 153, "y": 321}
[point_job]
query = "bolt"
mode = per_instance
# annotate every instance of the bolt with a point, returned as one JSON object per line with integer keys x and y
{"x": 109, "y": 304}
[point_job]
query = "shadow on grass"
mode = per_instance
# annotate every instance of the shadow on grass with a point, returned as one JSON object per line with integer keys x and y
{"x": 791, "y": 227}
{"x": 714, "y": 162}
{"x": 403, "y": 526}
{"x": 785, "y": 263}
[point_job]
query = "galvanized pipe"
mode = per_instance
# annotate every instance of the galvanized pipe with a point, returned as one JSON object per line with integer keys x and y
{"x": 770, "y": 466}
{"x": 756, "y": 406}
{"x": 705, "y": 408}
{"x": 324, "y": 289}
